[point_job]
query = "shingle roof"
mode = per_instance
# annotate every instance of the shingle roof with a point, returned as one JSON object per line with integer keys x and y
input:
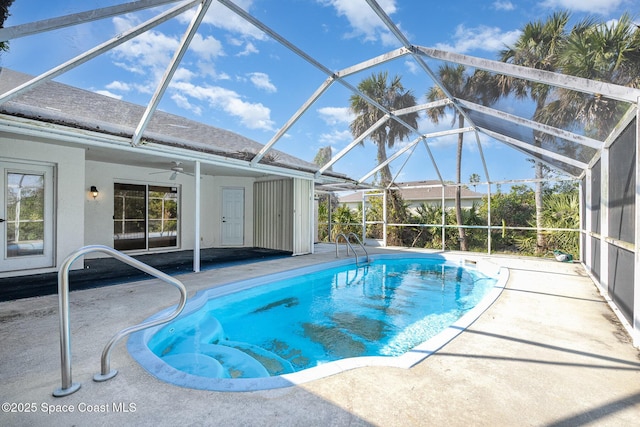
{"x": 421, "y": 190}
{"x": 78, "y": 108}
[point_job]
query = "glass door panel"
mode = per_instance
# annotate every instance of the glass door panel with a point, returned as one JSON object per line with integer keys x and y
{"x": 129, "y": 217}
{"x": 27, "y": 217}
{"x": 145, "y": 217}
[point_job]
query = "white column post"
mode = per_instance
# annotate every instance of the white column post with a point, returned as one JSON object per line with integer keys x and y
{"x": 196, "y": 228}
{"x": 636, "y": 270}
{"x": 384, "y": 218}
{"x": 443, "y": 219}
{"x": 364, "y": 216}
{"x": 604, "y": 219}
{"x": 488, "y": 218}
{"x": 587, "y": 193}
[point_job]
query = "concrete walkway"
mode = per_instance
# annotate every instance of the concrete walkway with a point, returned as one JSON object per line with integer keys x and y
{"x": 549, "y": 352}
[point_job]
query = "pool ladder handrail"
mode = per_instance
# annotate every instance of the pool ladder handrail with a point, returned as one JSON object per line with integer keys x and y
{"x": 346, "y": 236}
{"x": 68, "y": 387}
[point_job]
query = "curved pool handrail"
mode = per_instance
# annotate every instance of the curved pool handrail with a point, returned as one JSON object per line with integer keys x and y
{"x": 106, "y": 373}
{"x": 346, "y": 239}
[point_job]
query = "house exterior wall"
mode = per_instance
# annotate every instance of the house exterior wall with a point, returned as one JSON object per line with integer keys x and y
{"x": 211, "y": 212}
{"x": 70, "y": 195}
{"x": 99, "y": 212}
{"x": 448, "y": 203}
{"x": 81, "y": 220}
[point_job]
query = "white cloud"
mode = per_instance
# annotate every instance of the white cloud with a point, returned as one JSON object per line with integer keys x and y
{"x": 249, "y": 49}
{"x": 334, "y": 138}
{"x": 426, "y": 126}
{"x": 251, "y": 115}
{"x": 183, "y": 74}
{"x": 150, "y": 50}
{"x": 503, "y": 5}
{"x": 149, "y": 54}
{"x": 412, "y": 66}
{"x": 121, "y": 86}
{"x": 183, "y": 102}
{"x": 249, "y": 46}
{"x": 335, "y": 115}
{"x": 593, "y": 6}
{"x": 261, "y": 81}
{"x": 364, "y": 22}
{"x": 221, "y": 16}
{"x": 152, "y": 46}
{"x": 206, "y": 48}
{"x": 208, "y": 69}
{"x": 479, "y": 38}
{"x": 109, "y": 94}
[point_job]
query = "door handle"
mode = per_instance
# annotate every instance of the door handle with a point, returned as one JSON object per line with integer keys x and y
{"x": 1, "y": 220}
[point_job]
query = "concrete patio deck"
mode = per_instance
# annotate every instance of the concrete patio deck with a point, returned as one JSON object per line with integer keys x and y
{"x": 548, "y": 352}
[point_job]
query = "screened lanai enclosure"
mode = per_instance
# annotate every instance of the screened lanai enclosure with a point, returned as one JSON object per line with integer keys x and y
{"x": 586, "y": 141}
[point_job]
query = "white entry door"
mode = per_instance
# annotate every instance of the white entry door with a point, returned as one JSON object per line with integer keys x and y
{"x": 232, "y": 216}
{"x": 26, "y": 221}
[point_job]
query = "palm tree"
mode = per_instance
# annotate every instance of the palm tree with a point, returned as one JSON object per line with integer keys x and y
{"x": 539, "y": 47}
{"x": 477, "y": 87}
{"x": 390, "y": 94}
{"x": 474, "y": 179}
{"x": 323, "y": 156}
{"x": 4, "y": 14}
{"x": 598, "y": 51}
{"x": 327, "y": 202}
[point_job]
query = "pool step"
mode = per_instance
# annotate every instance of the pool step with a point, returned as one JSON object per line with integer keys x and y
{"x": 236, "y": 363}
{"x": 196, "y": 364}
{"x": 228, "y": 359}
{"x": 204, "y": 351}
{"x": 274, "y": 364}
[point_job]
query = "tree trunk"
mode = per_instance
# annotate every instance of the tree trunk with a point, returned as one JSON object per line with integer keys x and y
{"x": 462, "y": 235}
{"x": 385, "y": 172}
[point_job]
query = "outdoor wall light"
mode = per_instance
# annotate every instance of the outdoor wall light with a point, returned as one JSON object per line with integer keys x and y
{"x": 94, "y": 191}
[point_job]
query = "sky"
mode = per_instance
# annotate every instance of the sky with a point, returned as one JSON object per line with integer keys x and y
{"x": 237, "y": 78}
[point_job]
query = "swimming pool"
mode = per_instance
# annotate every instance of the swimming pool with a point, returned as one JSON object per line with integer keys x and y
{"x": 291, "y": 327}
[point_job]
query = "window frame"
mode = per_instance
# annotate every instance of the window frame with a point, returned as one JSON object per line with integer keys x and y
{"x": 146, "y": 243}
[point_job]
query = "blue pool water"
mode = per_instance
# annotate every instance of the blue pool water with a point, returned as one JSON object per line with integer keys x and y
{"x": 309, "y": 318}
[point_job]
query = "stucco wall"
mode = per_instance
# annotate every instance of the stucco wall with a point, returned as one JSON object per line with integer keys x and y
{"x": 99, "y": 212}
{"x": 212, "y": 217}
{"x": 70, "y": 192}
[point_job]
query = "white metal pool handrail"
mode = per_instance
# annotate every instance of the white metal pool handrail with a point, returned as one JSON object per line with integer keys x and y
{"x": 68, "y": 386}
{"x": 346, "y": 239}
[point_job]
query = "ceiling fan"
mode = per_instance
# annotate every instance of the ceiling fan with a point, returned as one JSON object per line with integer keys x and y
{"x": 174, "y": 170}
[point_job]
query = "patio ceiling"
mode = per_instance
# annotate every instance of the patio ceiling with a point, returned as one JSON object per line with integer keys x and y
{"x": 570, "y": 151}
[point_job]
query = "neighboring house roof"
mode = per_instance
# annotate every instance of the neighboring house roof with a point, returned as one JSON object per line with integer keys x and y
{"x": 82, "y": 109}
{"x": 419, "y": 191}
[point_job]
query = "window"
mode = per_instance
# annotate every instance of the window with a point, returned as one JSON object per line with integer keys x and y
{"x": 25, "y": 214}
{"x": 145, "y": 217}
